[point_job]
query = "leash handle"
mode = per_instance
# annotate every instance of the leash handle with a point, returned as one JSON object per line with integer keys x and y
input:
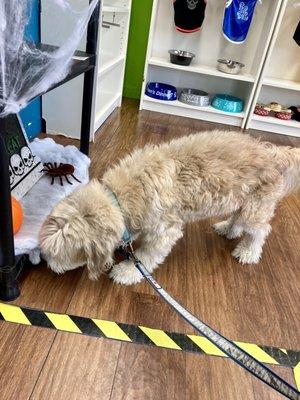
{"x": 233, "y": 351}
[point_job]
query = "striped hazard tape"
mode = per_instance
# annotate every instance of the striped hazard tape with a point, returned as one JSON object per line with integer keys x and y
{"x": 144, "y": 335}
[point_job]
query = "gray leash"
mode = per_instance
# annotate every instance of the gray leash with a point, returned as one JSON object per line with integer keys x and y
{"x": 233, "y": 351}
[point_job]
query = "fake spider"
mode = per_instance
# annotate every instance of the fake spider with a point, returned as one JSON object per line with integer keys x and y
{"x": 60, "y": 171}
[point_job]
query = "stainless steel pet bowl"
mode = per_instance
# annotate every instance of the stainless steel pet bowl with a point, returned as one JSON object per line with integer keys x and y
{"x": 230, "y": 66}
{"x": 194, "y": 97}
{"x": 181, "y": 57}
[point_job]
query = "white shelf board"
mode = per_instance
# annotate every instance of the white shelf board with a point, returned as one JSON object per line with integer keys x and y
{"x": 111, "y": 102}
{"x": 199, "y": 69}
{"x": 277, "y": 121}
{"x": 205, "y": 113}
{"x": 276, "y": 125}
{"x": 115, "y": 9}
{"x": 109, "y": 63}
{"x": 281, "y": 83}
{"x": 177, "y": 103}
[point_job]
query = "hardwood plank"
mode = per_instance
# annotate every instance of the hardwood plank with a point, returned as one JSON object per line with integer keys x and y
{"x": 152, "y": 374}
{"x": 164, "y": 374}
{"x": 101, "y": 299}
{"x": 215, "y": 378}
{"x": 137, "y": 305}
{"x": 247, "y": 303}
{"x": 78, "y": 368}
{"x": 23, "y": 352}
{"x": 45, "y": 290}
{"x": 129, "y": 107}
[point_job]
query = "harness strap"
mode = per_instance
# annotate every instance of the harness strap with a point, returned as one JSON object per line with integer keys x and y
{"x": 236, "y": 353}
{"x": 126, "y": 238}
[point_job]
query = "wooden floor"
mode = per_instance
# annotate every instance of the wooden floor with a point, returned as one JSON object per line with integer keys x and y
{"x": 257, "y": 304}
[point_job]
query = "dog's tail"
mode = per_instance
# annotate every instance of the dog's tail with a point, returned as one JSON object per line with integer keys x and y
{"x": 288, "y": 159}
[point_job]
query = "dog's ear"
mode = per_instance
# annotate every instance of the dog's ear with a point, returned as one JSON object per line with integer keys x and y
{"x": 98, "y": 256}
{"x": 100, "y": 240}
{"x": 52, "y": 236}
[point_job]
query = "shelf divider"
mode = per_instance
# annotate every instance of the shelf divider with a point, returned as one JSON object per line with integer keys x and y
{"x": 199, "y": 69}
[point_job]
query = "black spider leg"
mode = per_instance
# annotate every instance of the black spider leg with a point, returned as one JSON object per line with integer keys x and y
{"x": 52, "y": 180}
{"x": 60, "y": 164}
{"x": 47, "y": 166}
{"x": 55, "y": 165}
{"x": 69, "y": 182}
{"x": 73, "y": 176}
{"x": 61, "y": 181}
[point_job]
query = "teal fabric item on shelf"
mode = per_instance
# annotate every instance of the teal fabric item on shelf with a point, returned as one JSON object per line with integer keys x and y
{"x": 227, "y": 103}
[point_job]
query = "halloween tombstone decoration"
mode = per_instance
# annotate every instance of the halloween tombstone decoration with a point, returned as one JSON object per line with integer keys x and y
{"x": 25, "y": 168}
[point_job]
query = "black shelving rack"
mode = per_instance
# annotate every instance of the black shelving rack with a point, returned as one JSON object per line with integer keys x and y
{"x": 11, "y": 266}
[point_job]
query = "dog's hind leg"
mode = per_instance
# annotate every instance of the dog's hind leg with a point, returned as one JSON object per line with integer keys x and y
{"x": 152, "y": 252}
{"x": 229, "y": 228}
{"x": 254, "y": 219}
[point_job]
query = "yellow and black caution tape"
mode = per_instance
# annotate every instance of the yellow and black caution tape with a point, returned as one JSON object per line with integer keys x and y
{"x": 144, "y": 335}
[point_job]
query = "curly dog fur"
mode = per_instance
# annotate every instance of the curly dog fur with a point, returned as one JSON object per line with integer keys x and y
{"x": 160, "y": 188}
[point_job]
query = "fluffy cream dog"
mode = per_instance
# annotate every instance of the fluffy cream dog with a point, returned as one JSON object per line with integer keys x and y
{"x": 159, "y": 189}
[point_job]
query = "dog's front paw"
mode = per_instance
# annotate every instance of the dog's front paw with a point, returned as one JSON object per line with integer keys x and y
{"x": 246, "y": 255}
{"x": 125, "y": 273}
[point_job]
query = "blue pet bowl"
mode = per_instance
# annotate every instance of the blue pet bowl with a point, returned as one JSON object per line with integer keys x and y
{"x": 225, "y": 102}
{"x": 161, "y": 91}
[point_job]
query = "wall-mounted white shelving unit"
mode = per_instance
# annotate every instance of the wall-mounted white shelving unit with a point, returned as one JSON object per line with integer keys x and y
{"x": 112, "y": 58}
{"x": 208, "y": 45}
{"x": 109, "y": 76}
{"x": 280, "y": 77}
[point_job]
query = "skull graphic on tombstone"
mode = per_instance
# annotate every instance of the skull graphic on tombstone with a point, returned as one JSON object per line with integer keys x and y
{"x": 11, "y": 176}
{"x": 17, "y": 164}
{"x": 27, "y": 156}
{"x": 192, "y": 4}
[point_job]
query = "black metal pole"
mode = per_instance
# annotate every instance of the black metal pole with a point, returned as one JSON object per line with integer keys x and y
{"x": 6, "y": 237}
{"x": 8, "y": 285}
{"x": 88, "y": 86}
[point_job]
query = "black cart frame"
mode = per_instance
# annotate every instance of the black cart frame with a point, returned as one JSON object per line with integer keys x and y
{"x": 11, "y": 266}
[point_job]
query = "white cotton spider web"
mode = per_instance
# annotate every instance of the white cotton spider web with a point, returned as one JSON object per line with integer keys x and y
{"x": 25, "y": 69}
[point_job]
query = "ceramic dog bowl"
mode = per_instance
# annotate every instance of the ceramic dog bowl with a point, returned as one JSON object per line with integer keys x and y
{"x": 181, "y": 57}
{"x": 161, "y": 91}
{"x": 284, "y": 114}
{"x": 229, "y": 66}
{"x": 225, "y": 102}
{"x": 262, "y": 110}
{"x": 194, "y": 97}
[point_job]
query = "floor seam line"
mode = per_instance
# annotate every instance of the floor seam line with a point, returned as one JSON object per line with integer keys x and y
{"x": 114, "y": 379}
{"x": 42, "y": 367}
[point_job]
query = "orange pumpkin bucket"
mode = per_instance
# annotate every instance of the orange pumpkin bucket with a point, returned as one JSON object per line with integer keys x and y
{"x": 17, "y": 215}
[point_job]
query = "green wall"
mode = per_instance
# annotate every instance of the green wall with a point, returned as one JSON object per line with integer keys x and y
{"x": 137, "y": 47}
